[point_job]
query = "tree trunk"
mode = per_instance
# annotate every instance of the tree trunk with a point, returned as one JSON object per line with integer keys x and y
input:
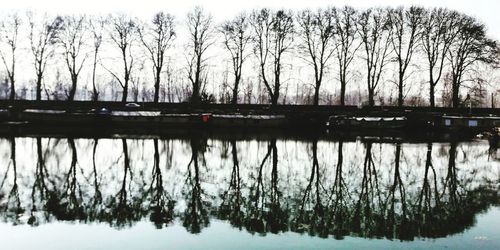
{"x": 371, "y": 100}
{"x": 157, "y": 86}
{"x": 342, "y": 93}
{"x": 195, "y": 96}
{"x": 400, "y": 91}
{"x": 72, "y": 91}
{"x": 274, "y": 100}
{"x": 431, "y": 94}
{"x": 39, "y": 87}
{"x": 234, "y": 100}
{"x": 156, "y": 156}
{"x": 12, "y": 90}
{"x": 316, "y": 95}
{"x": 125, "y": 93}
{"x": 455, "y": 98}
{"x": 276, "y": 95}
{"x": 94, "y": 88}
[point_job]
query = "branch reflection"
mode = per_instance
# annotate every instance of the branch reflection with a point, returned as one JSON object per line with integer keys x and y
{"x": 320, "y": 188}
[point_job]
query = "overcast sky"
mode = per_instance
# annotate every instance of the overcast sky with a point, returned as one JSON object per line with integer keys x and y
{"x": 485, "y": 10}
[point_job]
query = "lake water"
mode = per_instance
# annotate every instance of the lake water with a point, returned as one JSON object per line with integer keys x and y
{"x": 267, "y": 193}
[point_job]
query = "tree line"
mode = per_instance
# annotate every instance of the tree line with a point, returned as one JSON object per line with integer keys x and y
{"x": 443, "y": 42}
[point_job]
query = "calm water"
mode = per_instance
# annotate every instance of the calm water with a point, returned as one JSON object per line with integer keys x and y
{"x": 202, "y": 193}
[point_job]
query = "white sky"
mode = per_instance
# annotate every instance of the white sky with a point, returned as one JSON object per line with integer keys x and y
{"x": 485, "y": 10}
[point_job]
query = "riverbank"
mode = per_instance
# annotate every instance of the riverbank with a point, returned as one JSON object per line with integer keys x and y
{"x": 175, "y": 115}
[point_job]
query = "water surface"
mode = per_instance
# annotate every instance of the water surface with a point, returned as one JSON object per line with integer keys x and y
{"x": 203, "y": 193}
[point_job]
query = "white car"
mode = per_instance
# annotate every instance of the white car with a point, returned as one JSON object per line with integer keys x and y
{"x": 132, "y": 105}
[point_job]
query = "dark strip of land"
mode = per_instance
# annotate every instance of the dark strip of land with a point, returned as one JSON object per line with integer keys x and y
{"x": 259, "y": 134}
{"x": 295, "y": 116}
{"x": 240, "y": 108}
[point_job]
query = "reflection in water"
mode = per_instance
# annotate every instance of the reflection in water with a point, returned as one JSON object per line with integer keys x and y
{"x": 232, "y": 200}
{"x": 161, "y": 204}
{"x": 95, "y": 203}
{"x": 320, "y": 188}
{"x": 195, "y": 216}
{"x": 11, "y": 203}
{"x": 366, "y": 220}
{"x": 125, "y": 207}
{"x": 314, "y": 219}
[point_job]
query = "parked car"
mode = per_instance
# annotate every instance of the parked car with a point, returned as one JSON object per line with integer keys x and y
{"x": 132, "y": 105}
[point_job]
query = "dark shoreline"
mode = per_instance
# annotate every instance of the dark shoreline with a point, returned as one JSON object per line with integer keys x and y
{"x": 83, "y": 118}
{"x": 241, "y": 108}
{"x": 259, "y": 134}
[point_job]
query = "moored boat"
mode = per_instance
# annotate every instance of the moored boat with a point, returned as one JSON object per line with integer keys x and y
{"x": 352, "y": 122}
{"x": 57, "y": 117}
{"x": 238, "y": 120}
{"x": 154, "y": 118}
{"x": 131, "y": 118}
{"x": 469, "y": 122}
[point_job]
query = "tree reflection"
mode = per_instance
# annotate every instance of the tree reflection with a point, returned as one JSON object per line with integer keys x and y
{"x": 11, "y": 208}
{"x": 450, "y": 182}
{"x": 96, "y": 205}
{"x": 232, "y": 200}
{"x": 67, "y": 204}
{"x": 397, "y": 225}
{"x": 428, "y": 199}
{"x": 453, "y": 209}
{"x": 366, "y": 221}
{"x": 457, "y": 212}
{"x": 313, "y": 220}
{"x": 276, "y": 216}
{"x": 124, "y": 209}
{"x": 161, "y": 204}
{"x": 195, "y": 216}
{"x": 265, "y": 213}
{"x": 384, "y": 200}
{"x": 40, "y": 191}
{"x": 339, "y": 207}
{"x": 255, "y": 221}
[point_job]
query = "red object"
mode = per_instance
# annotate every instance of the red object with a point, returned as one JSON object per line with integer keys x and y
{"x": 205, "y": 117}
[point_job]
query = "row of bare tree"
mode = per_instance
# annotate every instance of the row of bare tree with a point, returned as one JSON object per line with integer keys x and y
{"x": 445, "y": 40}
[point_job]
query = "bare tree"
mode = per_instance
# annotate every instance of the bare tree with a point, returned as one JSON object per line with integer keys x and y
{"x": 375, "y": 34}
{"x": 236, "y": 38}
{"x": 406, "y": 30}
{"x": 437, "y": 37}
{"x": 9, "y": 30}
{"x": 316, "y": 30}
{"x": 454, "y": 47}
{"x": 122, "y": 34}
{"x": 469, "y": 47}
{"x": 72, "y": 38}
{"x": 261, "y": 22}
{"x": 273, "y": 36}
{"x": 200, "y": 28}
{"x": 346, "y": 44}
{"x": 157, "y": 37}
{"x": 97, "y": 27}
{"x": 43, "y": 36}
